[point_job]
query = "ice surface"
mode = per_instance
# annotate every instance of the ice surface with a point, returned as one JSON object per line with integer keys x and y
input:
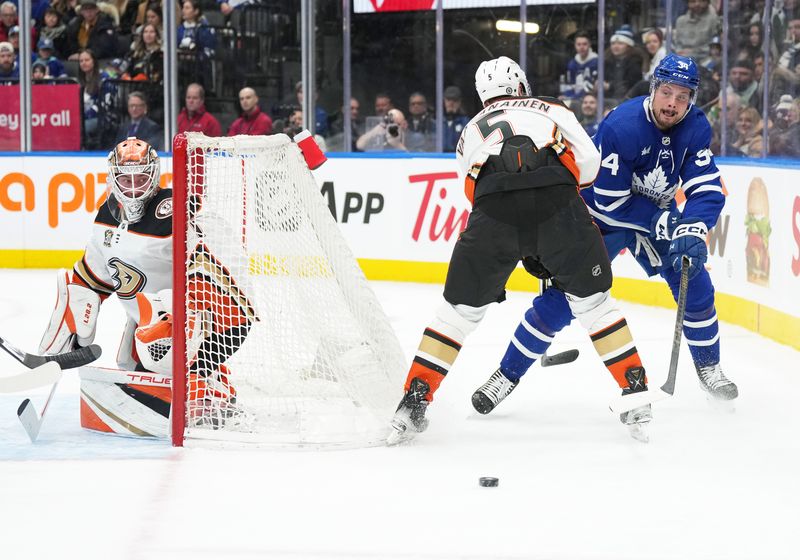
{"x": 573, "y": 484}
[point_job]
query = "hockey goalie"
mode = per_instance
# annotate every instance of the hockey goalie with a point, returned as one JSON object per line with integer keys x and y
{"x": 129, "y": 253}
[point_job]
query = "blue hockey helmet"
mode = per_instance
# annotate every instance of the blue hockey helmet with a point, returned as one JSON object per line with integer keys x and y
{"x": 678, "y": 70}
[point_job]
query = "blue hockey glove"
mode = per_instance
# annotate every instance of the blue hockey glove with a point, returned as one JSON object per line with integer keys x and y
{"x": 689, "y": 239}
{"x": 663, "y": 224}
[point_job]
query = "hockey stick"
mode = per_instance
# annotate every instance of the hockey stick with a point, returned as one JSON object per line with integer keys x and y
{"x": 45, "y": 374}
{"x": 67, "y": 360}
{"x": 28, "y": 417}
{"x": 635, "y": 400}
{"x": 561, "y": 358}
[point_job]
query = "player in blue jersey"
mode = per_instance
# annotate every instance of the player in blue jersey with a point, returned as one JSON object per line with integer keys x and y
{"x": 650, "y": 146}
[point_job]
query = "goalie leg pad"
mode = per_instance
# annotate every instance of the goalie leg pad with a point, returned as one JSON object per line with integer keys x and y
{"x": 126, "y": 403}
{"x": 74, "y": 318}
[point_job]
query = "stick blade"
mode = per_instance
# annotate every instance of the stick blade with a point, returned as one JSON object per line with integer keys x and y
{"x": 77, "y": 358}
{"x": 29, "y": 419}
{"x": 46, "y": 374}
{"x": 635, "y": 400}
{"x": 561, "y": 358}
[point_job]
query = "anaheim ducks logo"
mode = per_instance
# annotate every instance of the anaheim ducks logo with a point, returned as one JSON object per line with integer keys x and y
{"x": 128, "y": 280}
{"x": 164, "y": 209}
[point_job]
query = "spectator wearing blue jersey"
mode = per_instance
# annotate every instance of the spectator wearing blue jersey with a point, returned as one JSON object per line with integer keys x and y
{"x": 197, "y": 42}
{"x": 582, "y": 68}
{"x": 320, "y": 114}
{"x": 651, "y": 146}
{"x": 194, "y": 33}
{"x": 587, "y": 114}
{"x": 55, "y": 68}
{"x": 454, "y": 118}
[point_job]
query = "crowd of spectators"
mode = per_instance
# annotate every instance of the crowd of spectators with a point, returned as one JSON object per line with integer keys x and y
{"x": 114, "y": 50}
{"x": 631, "y": 56}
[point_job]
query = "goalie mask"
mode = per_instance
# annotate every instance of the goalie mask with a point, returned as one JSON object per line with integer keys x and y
{"x": 500, "y": 77}
{"x": 133, "y": 177}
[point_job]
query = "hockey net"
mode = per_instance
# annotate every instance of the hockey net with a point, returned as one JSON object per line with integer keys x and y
{"x": 278, "y": 337}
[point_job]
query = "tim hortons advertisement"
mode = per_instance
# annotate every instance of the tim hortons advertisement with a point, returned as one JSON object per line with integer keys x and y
{"x": 55, "y": 117}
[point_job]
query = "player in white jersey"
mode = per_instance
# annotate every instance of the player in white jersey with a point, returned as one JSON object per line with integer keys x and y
{"x": 129, "y": 253}
{"x": 522, "y": 159}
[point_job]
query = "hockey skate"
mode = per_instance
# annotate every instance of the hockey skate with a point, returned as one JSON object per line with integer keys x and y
{"x": 492, "y": 393}
{"x": 212, "y": 402}
{"x": 720, "y": 391}
{"x": 714, "y": 382}
{"x": 636, "y": 420}
{"x": 409, "y": 420}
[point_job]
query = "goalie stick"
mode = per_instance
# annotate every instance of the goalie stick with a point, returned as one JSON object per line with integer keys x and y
{"x": 45, "y": 374}
{"x": 635, "y": 400}
{"x": 67, "y": 360}
{"x": 46, "y": 370}
{"x": 561, "y": 358}
{"x": 28, "y": 417}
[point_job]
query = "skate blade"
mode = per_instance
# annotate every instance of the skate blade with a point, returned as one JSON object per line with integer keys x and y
{"x": 399, "y": 436}
{"x": 639, "y": 432}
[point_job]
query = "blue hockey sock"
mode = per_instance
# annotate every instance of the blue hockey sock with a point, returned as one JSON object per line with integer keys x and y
{"x": 533, "y": 336}
{"x": 701, "y": 330}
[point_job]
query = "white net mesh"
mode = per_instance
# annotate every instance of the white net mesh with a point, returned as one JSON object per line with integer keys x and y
{"x": 286, "y": 342}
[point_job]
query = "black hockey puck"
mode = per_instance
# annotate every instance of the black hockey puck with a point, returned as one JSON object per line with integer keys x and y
{"x": 488, "y": 481}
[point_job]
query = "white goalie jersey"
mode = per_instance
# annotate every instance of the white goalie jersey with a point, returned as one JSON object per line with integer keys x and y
{"x": 129, "y": 259}
{"x": 546, "y": 121}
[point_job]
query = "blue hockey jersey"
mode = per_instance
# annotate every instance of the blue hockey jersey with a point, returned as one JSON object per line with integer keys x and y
{"x": 643, "y": 167}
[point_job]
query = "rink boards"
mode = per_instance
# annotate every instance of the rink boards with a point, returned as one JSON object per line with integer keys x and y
{"x": 401, "y": 216}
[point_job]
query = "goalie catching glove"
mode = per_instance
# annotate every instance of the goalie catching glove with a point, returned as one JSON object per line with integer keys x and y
{"x": 153, "y": 336}
{"x": 74, "y": 318}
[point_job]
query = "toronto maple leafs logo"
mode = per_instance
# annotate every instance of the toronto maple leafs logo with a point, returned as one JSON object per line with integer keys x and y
{"x": 654, "y": 185}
